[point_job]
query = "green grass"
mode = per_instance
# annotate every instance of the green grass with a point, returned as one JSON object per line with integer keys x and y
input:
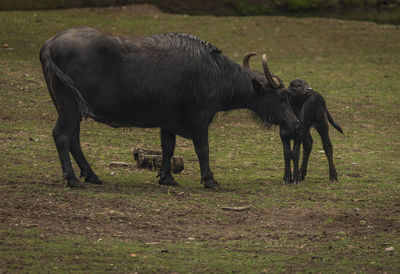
{"x": 314, "y": 227}
{"x": 284, "y": 254}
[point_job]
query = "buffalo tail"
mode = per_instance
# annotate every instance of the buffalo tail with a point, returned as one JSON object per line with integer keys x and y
{"x": 50, "y": 67}
{"x": 333, "y": 123}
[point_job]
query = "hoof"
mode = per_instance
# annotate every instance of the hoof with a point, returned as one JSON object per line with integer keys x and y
{"x": 287, "y": 178}
{"x": 296, "y": 179}
{"x": 93, "y": 179}
{"x": 333, "y": 179}
{"x": 303, "y": 174}
{"x": 287, "y": 181}
{"x": 211, "y": 184}
{"x": 168, "y": 181}
{"x": 333, "y": 176}
{"x": 74, "y": 182}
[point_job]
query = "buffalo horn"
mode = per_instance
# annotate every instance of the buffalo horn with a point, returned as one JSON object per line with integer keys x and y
{"x": 247, "y": 58}
{"x": 272, "y": 80}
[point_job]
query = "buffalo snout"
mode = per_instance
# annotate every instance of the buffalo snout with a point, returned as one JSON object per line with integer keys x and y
{"x": 290, "y": 126}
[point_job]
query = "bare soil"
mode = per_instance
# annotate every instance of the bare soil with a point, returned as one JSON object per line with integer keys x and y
{"x": 72, "y": 212}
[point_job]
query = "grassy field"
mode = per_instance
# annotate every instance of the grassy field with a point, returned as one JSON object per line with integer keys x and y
{"x": 132, "y": 224}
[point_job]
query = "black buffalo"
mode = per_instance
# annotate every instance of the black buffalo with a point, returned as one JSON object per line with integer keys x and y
{"x": 173, "y": 81}
{"x": 310, "y": 108}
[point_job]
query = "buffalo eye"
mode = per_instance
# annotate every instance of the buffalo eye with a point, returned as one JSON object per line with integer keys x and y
{"x": 283, "y": 95}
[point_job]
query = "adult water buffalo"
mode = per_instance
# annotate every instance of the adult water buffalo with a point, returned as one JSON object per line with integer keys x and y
{"x": 173, "y": 81}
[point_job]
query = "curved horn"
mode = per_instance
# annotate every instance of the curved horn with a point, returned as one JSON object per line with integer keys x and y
{"x": 272, "y": 80}
{"x": 247, "y": 58}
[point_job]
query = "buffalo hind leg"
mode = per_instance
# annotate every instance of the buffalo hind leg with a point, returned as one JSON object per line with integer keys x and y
{"x": 168, "y": 141}
{"x": 76, "y": 151}
{"x": 323, "y": 131}
{"x": 62, "y": 134}
{"x": 307, "y": 147}
{"x": 200, "y": 142}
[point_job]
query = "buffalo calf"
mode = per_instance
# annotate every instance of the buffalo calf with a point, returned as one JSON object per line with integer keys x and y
{"x": 310, "y": 108}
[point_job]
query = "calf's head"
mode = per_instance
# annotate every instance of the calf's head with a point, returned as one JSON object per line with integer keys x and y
{"x": 271, "y": 104}
{"x": 299, "y": 90}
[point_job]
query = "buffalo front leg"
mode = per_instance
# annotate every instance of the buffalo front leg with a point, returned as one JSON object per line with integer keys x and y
{"x": 168, "y": 141}
{"x": 200, "y": 143}
{"x": 76, "y": 151}
{"x": 295, "y": 157}
{"x": 326, "y": 142}
{"x": 287, "y": 155}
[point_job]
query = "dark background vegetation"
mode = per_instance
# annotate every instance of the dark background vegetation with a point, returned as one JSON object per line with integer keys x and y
{"x": 383, "y": 11}
{"x": 220, "y": 7}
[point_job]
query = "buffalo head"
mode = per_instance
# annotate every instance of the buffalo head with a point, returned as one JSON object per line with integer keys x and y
{"x": 272, "y": 105}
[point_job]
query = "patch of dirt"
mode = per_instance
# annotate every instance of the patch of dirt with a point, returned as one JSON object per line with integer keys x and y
{"x": 68, "y": 211}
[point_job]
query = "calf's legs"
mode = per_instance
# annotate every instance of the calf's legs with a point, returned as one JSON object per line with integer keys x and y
{"x": 307, "y": 147}
{"x": 294, "y": 154}
{"x": 323, "y": 131}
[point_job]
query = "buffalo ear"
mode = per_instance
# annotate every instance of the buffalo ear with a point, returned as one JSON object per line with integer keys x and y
{"x": 257, "y": 86}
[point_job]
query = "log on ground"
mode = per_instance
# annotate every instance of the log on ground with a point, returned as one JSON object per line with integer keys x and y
{"x": 152, "y": 159}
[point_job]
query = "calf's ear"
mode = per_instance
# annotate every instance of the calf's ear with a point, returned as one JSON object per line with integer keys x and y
{"x": 257, "y": 87}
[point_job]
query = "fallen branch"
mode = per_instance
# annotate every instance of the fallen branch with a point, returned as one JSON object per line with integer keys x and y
{"x": 119, "y": 164}
{"x": 236, "y": 208}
